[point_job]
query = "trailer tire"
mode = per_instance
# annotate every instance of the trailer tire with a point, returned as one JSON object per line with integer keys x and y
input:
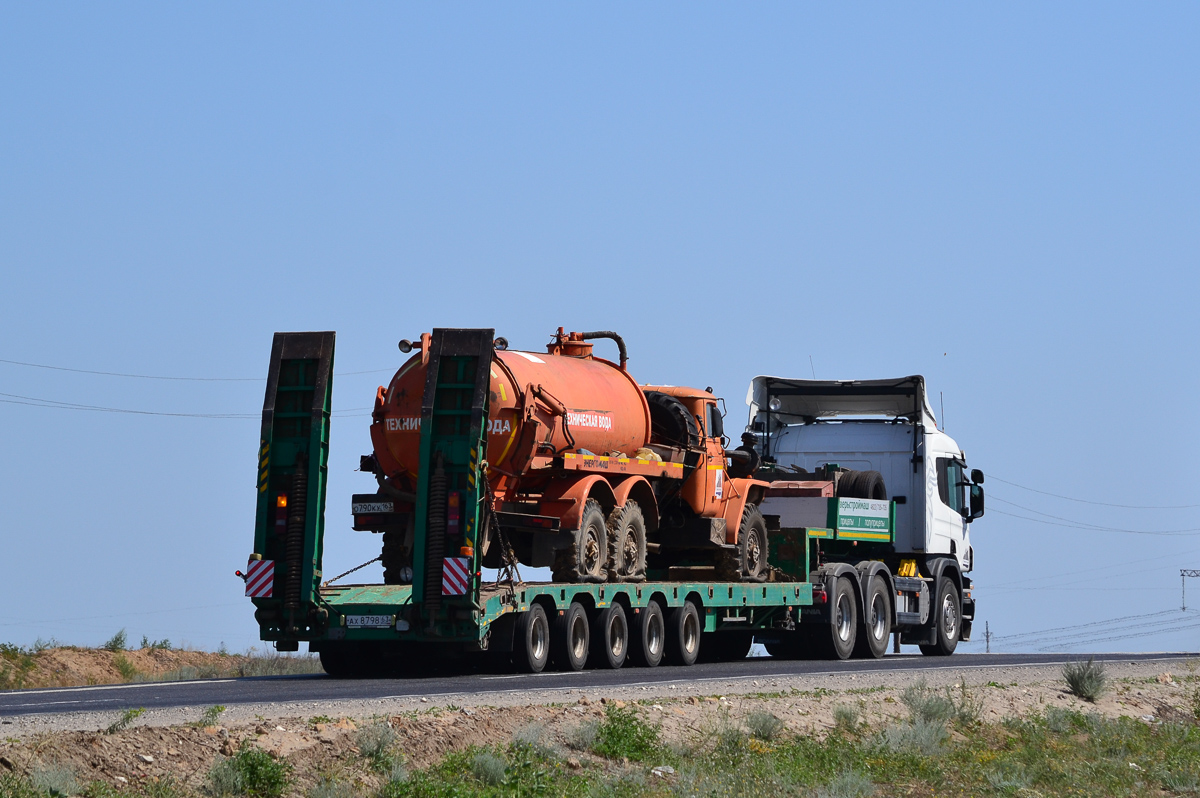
{"x": 610, "y": 638}
{"x": 531, "y": 640}
{"x": 649, "y": 636}
{"x": 836, "y": 641}
{"x": 872, "y": 638}
{"x": 627, "y": 543}
{"x": 862, "y": 485}
{"x": 340, "y": 663}
{"x": 569, "y": 637}
{"x": 683, "y": 635}
{"x": 947, "y": 620}
{"x": 586, "y": 559}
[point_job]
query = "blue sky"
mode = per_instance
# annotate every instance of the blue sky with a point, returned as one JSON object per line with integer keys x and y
{"x": 1002, "y": 198}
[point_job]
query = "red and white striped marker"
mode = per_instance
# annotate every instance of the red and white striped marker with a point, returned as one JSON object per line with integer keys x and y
{"x": 260, "y": 578}
{"x": 456, "y": 576}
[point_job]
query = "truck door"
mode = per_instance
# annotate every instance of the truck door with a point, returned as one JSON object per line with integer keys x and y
{"x": 948, "y": 524}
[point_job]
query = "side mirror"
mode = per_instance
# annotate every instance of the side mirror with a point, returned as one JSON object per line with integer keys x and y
{"x": 976, "y": 476}
{"x": 976, "y": 502}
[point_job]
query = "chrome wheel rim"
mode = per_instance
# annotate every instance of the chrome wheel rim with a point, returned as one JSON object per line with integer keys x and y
{"x": 691, "y": 633}
{"x": 949, "y": 617}
{"x": 539, "y": 639}
{"x": 654, "y": 634}
{"x": 845, "y": 620}
{"x": 578, "y": 638}
{"x": 616, "y": 637}
{"x": 878, "y": 617}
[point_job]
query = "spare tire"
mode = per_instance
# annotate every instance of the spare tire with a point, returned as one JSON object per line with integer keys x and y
{"x": 861, "y": 485}
{"x": 670, "y": 422}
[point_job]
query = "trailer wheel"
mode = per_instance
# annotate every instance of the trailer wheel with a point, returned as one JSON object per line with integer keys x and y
{"x": 649, "y": 636}
{"x": 627, "y": 543}
{"x": 876, "y": 628}
{"x": 586, "y": 559}
{"x": 836, "y": 641}
{"x": 947, "y": 620}
{"x": 569, "y": 638}
{"x": 683, "y": 635}
{"x": 338, "y": 662}
{"x": 610, "y": 637}
{"x": 531, "y": 640}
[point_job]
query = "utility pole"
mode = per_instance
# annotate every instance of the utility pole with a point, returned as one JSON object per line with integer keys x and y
{"x": 1184, "y": 573}
{"x": 987, "y": 635}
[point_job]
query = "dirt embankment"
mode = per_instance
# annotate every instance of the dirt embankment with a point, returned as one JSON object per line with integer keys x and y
{"x": 78, "y": 667}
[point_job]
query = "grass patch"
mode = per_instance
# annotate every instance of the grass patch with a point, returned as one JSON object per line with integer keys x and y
{"x": 1087, "y": 680}
{"x": 623, "y": 734}
{"x": 56, "y": 781}
{"x": 15, "y": 666}
{"x": 375, "y": 743}
{"x": 764, "y": 726}
{"x": 122, "y": 723}
{"x": 251, "y": 771}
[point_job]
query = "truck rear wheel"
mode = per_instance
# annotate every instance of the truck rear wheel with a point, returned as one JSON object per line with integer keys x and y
{"x": 627, "y": 544}
{"x": 876, "y": 628}
{"x": 947, "y": 620}
{"x": 836, "y": 641}
{"x": 531, "y": 640}
{"x": 569, "y": 639}
{"x": 610, "y": 637}
{"x": 586, "y": 559}
{"x": 683, "y": 635}
{"x": 649, "y": 636}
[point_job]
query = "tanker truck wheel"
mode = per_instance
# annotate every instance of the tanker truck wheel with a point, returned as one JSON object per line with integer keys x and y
{"x": 586, "y": 559}
{"x": 627, "y": 544}
{"x": 748, "y": 562}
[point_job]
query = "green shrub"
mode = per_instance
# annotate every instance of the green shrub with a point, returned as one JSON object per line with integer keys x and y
{"x": 730, "y": 737}
{"x": 331, "y": 788}
{"x": 124, "y": 667}
{"x": 923, "y": 737}
{"x": 1009, "y": 777}
{"x": 162, "y": 645}
{"x": 118, "y": 642}
{"x": 252, "y": 772}
{"x": 624, "y": 735}
{"x": 764, "y": 725}
{"x": 488, "y": 768}
{"x": 531, "y": 738}
{"x": 56, "y": 781}
{"x": 14, "y": 786}
{"x": 210, "y": 716}
{"x": 847, "y": 784}
{"x": 122, "y": 723}
{"x": 1087, "y": 680}
{"x": 374, "y": 742}
{"x": 846, "y": 717}
{"x": 1183, "y": 782}
{"x": 926, "y": 705}
{"x": 15, "y": 665}
{"x": 1061, "y": 721}
{"x": 583, "y": 736}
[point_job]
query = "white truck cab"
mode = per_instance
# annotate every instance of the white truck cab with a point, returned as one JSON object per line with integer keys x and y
{"x": 802, "y": 426}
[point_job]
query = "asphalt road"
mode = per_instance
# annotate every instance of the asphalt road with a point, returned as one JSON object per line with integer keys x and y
{"x": 272, "y": 689}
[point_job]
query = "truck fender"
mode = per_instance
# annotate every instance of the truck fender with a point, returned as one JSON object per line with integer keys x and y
{"x": 639, "y": 490}
{"x": 830, "y": 573}
{"x": 937, "y": 568}
{"x": 868, "y": 570}
{"x": 566, "y": 499}
{"x": 742, "y": 491}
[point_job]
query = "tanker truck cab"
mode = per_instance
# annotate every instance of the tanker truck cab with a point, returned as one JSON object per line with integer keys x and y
{"x": 810, "y": 429}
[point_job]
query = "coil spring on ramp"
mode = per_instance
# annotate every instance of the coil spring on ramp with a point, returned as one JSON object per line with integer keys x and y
{"x": 294, "y": 545}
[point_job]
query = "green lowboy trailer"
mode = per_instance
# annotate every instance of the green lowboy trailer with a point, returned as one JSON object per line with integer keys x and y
{"x": 836, "y": 586}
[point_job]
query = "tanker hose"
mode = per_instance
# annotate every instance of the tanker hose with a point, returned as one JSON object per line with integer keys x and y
{"x": 587, "y": 336}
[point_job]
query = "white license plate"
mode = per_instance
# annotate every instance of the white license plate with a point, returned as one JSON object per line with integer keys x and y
{"x": 369, "y": 621}
{"x": 372, "y": 507}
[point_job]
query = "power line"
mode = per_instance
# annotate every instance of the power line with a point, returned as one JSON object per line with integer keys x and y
{"x": 1123, "y": 619}
{"x": 54, "y": 404}
{"x": 1101, "y": 504}
{"x": 1096, "y": 528}
{"x": 170, "y": 379}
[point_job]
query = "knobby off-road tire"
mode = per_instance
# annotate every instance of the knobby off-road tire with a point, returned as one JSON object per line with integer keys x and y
{"x": 670, "y": 421}
{"x": 610, "y": 638}
{"x": 947, "y": 620}
{"x": 683, "y": 634}
{"x": 748, "y": 562}
{"x": 648, "y": 636}
{"x": 531, "y": 640}
{"x": 586, "y": 559}
{"x": 627, "y": 544}
{"x": 394, "y": 558}
{"x": 876, "y": 621}
{"x": 569, "y": 638}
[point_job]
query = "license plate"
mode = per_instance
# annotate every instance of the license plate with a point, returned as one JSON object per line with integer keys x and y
{"x": 372, "y": 507}
{"x": 369, "y": 621}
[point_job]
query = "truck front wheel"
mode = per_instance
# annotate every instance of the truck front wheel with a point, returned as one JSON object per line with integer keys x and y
{"x": 877, "y": 621}
{"x": 947, "y": 621}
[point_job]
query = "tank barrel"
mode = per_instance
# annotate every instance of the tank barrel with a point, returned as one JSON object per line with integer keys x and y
{"x": 587, "y": 336}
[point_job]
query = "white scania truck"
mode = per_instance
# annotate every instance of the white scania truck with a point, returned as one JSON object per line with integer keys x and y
{"x": 882, "y": 436}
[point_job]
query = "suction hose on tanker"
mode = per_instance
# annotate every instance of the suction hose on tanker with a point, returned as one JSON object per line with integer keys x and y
{"x": 588, "y": 336}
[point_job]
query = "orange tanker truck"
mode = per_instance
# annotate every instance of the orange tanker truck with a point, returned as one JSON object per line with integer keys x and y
{"x": 653, "y": 528}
